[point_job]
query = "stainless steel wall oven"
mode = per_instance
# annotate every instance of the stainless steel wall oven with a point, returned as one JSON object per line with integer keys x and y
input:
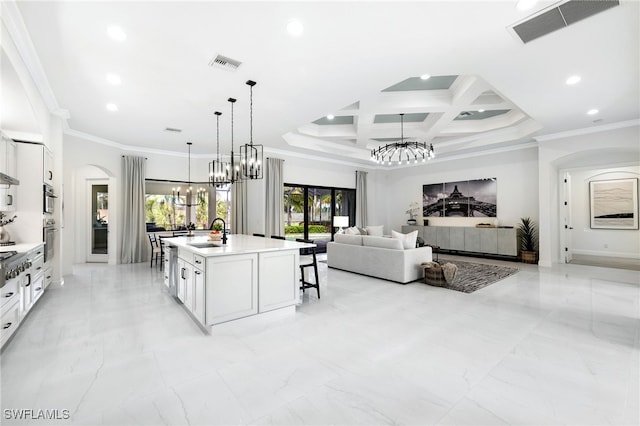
{"x": 48, "y": 199}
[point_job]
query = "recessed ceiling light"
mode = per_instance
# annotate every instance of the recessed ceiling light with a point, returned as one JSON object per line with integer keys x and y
{"x": 111, "y": 107}
{"x": 480, "y": 110}
{"x": 113, "y": 79}
{"x": 574, "y": 79}
{"x": 425, "y": 77}
{"x": 117, "y": 33}
{"x": 295, "y": 28}
{"x": 330, "y": 117}
{"x": 526, "y": 4}
{"x": 593, "y": 111}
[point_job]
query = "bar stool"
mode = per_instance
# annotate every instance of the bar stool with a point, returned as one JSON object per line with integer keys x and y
{"x": 308, "y": 260}
{"x": 156, "y": 250}
{"x": 277, "y": 237}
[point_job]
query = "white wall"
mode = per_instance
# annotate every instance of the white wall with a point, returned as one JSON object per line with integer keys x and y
{"x": 517, "y": 186}
{"x": 599, "y": 242}
{"x": 608, "y": 146}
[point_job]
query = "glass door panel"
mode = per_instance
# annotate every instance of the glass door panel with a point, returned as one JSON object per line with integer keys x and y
{"x": 100, "y": 223}
{"x": 294, "y": 212}
{"x": 319, "y": 215}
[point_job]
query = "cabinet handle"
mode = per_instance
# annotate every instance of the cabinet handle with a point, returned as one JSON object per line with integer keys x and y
{"x": 197, "y": 272}
{"x": 8, "y": 294}
{"x": 9, "y": 199}
{"x": 182, "y": 273}
{"x": 7, "y": 325}
{"x": 50, "y": 175}
{"x": 39, "y": 288}
{"x": 198, "y": 262}
{"x": 48, "y": 276}
{"x": 27, "y": 285}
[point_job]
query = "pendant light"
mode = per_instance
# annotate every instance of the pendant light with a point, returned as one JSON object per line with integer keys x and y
{"x": 175, "y": 192}
{"x": 218, "y": 168}
{"x": 251, "y": 155}
{"x": 233, "y": 173}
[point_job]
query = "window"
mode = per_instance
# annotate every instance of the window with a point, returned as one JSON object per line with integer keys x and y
{"x": 309, "y": 211}
{"x": 165, "y": 209}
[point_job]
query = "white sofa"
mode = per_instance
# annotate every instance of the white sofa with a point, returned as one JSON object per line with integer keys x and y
{"x": 378, "y": 257}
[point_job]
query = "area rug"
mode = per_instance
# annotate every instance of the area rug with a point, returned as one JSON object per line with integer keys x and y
{"x": 474, "y": 276}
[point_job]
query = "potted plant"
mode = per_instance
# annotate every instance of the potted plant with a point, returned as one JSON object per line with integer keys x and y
{"x": 528, "y": 235}
{"x": 414, "y": 209}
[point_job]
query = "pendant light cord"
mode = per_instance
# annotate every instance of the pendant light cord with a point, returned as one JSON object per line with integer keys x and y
{"x": 251, "y": 115}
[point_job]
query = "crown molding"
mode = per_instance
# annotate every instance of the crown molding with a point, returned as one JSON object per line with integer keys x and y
{"x": 17, "y": 30}
{"x": 588, "y": 130}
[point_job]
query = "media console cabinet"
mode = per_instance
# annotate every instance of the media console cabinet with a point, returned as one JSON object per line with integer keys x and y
{"x": 488, "y": 241}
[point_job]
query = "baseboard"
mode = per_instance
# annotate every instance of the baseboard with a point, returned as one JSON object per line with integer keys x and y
{"x": 624, "y": 255}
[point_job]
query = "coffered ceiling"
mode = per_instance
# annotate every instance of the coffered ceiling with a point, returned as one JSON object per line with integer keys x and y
{"x": 360, "y": 62}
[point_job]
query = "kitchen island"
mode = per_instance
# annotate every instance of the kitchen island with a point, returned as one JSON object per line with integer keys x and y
{"x": 246, "y": 276}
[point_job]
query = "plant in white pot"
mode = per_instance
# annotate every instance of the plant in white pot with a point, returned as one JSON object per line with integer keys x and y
{"x": 528, "y": 235}
{"x": 5, "y": 238}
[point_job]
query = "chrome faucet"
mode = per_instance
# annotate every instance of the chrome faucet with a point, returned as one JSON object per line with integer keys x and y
{"x": 224, "y": 228}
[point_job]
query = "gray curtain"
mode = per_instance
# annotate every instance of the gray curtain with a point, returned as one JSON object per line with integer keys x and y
{"x": 274, "y": 217}
{"x": 133, "y": 232}
{"x": 238, "y": 208}
{"x": 361, "y": 199}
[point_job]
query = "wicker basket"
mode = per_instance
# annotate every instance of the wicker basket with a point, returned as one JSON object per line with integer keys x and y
{"x": 433, "y": 275}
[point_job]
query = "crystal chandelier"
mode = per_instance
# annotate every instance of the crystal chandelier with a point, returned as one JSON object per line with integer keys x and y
{"x": 175, "y": 192}
{"x": 218, "y": 168}
{"x": 403, "y": 151}
{"x": 251, "y": 155}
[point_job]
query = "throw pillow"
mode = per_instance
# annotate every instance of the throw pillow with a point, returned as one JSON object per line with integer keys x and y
{"x": 376, "y": 231}
{"x": 352, "y": 231}
{"x": 362, "y": 231}
{"x": 408, "y": 240}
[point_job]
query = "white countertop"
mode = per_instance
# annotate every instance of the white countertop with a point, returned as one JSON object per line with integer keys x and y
{"x": 20, "y": 248}
{"x": 236, "y": 244}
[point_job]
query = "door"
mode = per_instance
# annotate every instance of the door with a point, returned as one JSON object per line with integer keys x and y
{"x": 565, "y": 203}
{"x": 98, "y": 211}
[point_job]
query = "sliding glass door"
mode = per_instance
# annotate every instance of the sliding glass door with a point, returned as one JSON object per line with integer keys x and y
{"x": 309, "y": 211}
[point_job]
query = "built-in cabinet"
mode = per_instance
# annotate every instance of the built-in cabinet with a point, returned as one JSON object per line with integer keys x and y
{"x": 8, "y": 166}
{"x": 494, "y": 241}
{"x": 18, "y": 296}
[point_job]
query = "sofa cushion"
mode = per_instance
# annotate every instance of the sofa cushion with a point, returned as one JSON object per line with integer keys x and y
{"x": 375, "y": 230}
{"x": 408, "y": 240}
{"x": 382, "y": 242}
{"x": 355, "y": 240}
{"x": 352, "y": 231}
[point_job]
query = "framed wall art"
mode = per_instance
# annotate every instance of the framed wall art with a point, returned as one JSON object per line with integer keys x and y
{"x": 467, "y": 198}
{"x": 614, "y": 204}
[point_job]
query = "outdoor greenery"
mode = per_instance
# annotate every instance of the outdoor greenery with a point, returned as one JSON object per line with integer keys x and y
{"x": 299, "y": 229}
{"x": 160, "y": 210}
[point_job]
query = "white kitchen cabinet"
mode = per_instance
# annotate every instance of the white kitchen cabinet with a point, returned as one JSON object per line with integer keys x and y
{"x": 199, "y": 280}
{"x": 9, "y": 320}
{"x": 48, "y": 176}
{"x": 277, "y": 270}
{"x": 232, "y": 287}
{"x": 8, "y": 160}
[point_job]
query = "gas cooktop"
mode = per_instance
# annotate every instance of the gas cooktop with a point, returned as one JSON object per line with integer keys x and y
{"x": 7, "y": 254}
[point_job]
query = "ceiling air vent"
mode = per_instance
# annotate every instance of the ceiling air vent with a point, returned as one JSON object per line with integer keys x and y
{"x": 225, "y": 63}
{"x": 172, "y": 129}
{"x": 557, "y": 17}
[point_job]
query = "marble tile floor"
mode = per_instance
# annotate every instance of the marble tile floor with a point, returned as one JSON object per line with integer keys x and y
{"x": 546, "y": 346}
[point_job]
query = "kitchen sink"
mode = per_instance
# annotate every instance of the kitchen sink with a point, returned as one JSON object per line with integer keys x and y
{"x": 205, "y": 245}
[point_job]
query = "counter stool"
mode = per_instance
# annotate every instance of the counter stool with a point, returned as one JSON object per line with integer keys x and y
{"x": 308, "y": 260}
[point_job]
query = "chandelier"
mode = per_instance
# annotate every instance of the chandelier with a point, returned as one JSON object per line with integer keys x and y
{"x": 218, "y": 168}
{"x": 175, "y": 192}
{"x": 251, "y": 155}
{"x": 403, "y": 151}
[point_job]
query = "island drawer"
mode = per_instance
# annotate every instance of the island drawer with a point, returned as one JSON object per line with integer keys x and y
{"x": 198, "y": 261}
